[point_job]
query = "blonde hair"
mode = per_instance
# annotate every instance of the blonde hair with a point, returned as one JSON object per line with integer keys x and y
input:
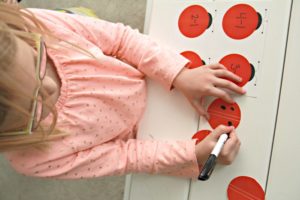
{"x": 15, "y": 21}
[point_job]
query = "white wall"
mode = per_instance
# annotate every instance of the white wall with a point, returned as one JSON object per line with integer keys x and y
{"x": 284, "y": 178}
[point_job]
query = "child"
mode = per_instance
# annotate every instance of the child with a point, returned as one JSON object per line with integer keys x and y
{"x": 73, "y": 91}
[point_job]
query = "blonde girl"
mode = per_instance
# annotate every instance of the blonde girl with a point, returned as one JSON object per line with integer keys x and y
{"x": 72, "y": 92}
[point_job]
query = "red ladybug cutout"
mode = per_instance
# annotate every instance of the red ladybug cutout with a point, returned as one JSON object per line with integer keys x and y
{"x": 245, "y": 188}
{"x": 194, "y": 20}
{"x": 240, "y": 21}
{"x": 200, "y": 135}
{"x": 224, "y": 113}
{"x": 195, "y": 59}
{"x": 239, "y": 65}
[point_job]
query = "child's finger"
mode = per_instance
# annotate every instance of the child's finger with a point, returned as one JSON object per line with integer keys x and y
{"x": 223, "y": 83}
{"x": 224, "y": 73}
{"x": 230, "y": 149}
{"x": 218, "y": 92}
{"x": 216, "y": 66}
{"x": 220, "y": 130}
{"x": 232, "y": 135}
{"x": 197, "y": 105}
{"x": 232, "y": 143}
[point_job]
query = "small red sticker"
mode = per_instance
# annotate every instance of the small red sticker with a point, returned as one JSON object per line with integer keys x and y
{"x": 240, "y": 21}
{"x": 239, "y": 65}
{"x": 200, "y": 135}
{"x": 223, "y": 113}
{"x": 245, "y": 188}
{"x": 195, "y": 59}
{"x": 193, "y": 21}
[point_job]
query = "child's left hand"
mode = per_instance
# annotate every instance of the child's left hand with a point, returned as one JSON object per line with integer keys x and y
{"x": 207, "y": 80}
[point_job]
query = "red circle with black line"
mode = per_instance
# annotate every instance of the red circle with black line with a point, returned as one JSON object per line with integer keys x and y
{"x": 240, "y": 66}
{"x": 194, "y": 58}
{"x": 223, "y": 113}
{"x": 245, "y": 188}
{"x": 240, "y": 21}
{"x": 200, "y": 135}
{"x": 194, "y": 20}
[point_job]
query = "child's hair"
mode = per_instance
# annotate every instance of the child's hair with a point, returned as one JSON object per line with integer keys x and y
{"x": 17, "y": 22}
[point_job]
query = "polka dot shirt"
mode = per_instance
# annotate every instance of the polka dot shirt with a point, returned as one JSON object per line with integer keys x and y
{"x": 101, "y": 102}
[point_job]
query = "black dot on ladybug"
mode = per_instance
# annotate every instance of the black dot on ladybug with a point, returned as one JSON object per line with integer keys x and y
{"x": 229, "y": 123}
{"x": 259, "y": 20}
{"x": 232, "y": 108}
{"x": 223, "y": 107}
{"x": 252, "y": 72}
{"x": 209, "y": 20}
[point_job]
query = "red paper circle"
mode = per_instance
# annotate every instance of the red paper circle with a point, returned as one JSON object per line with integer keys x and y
{"x": 239, "y": 65}
{"x": 200, "y": 135}
{"x": 195, "y": 59}
{"x": 224, "y": 113}
{"x": 245, "y": 188}
{"x": 193, "y": 21}
{"x": 240, "y": 21}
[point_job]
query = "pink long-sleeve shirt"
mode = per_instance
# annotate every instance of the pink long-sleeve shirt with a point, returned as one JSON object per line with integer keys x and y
{"x": 101, "y": 102}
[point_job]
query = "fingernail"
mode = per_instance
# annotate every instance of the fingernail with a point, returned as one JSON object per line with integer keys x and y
{"x": 244, "y": 91}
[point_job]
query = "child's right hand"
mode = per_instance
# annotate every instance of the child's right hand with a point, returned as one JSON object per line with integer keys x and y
{"x": 229, "y": 150}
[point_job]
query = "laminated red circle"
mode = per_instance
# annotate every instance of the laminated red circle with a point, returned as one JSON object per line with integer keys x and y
{"x": 200, "y": 135}
{"x": 245, "y": 188}
{"x": 239, "y": 65}
{"x": 193, "y": 21}
{"x": 195, "y": 59}
{"x": 240, "y": 21}
{"x": 223, "y": 113}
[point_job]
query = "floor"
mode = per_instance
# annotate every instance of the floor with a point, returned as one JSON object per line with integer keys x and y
{"x": 16, "y": 187}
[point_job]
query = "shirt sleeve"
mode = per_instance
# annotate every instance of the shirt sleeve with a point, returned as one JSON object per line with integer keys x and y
{"x": 176, "y": 158}
{"x": 115, "y": 39}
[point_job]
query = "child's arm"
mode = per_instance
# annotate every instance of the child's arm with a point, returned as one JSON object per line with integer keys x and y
{"x": 176, "y": 158}
{"x": 113, "y": 158}
{"x": 120, "y": 41}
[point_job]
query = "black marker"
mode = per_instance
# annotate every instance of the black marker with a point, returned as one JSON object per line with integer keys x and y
{"x": 212, "y": 159}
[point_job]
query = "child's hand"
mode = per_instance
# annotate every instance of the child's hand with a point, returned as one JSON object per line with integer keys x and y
{"x": 229, "y": 150}
{"x": 208, "y": 80}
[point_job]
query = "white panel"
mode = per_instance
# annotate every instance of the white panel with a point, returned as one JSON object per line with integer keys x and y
{"x": 168, "y": 115}
{"x": 258, "y": 114}
{"x": 284, "y": 179}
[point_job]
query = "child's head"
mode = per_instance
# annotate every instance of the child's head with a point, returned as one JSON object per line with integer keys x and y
{"x": 20, "y": 93}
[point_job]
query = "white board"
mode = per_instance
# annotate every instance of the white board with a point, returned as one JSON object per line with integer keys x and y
{"x": 264, "y": 49}
{"x": 284, "y": 179}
